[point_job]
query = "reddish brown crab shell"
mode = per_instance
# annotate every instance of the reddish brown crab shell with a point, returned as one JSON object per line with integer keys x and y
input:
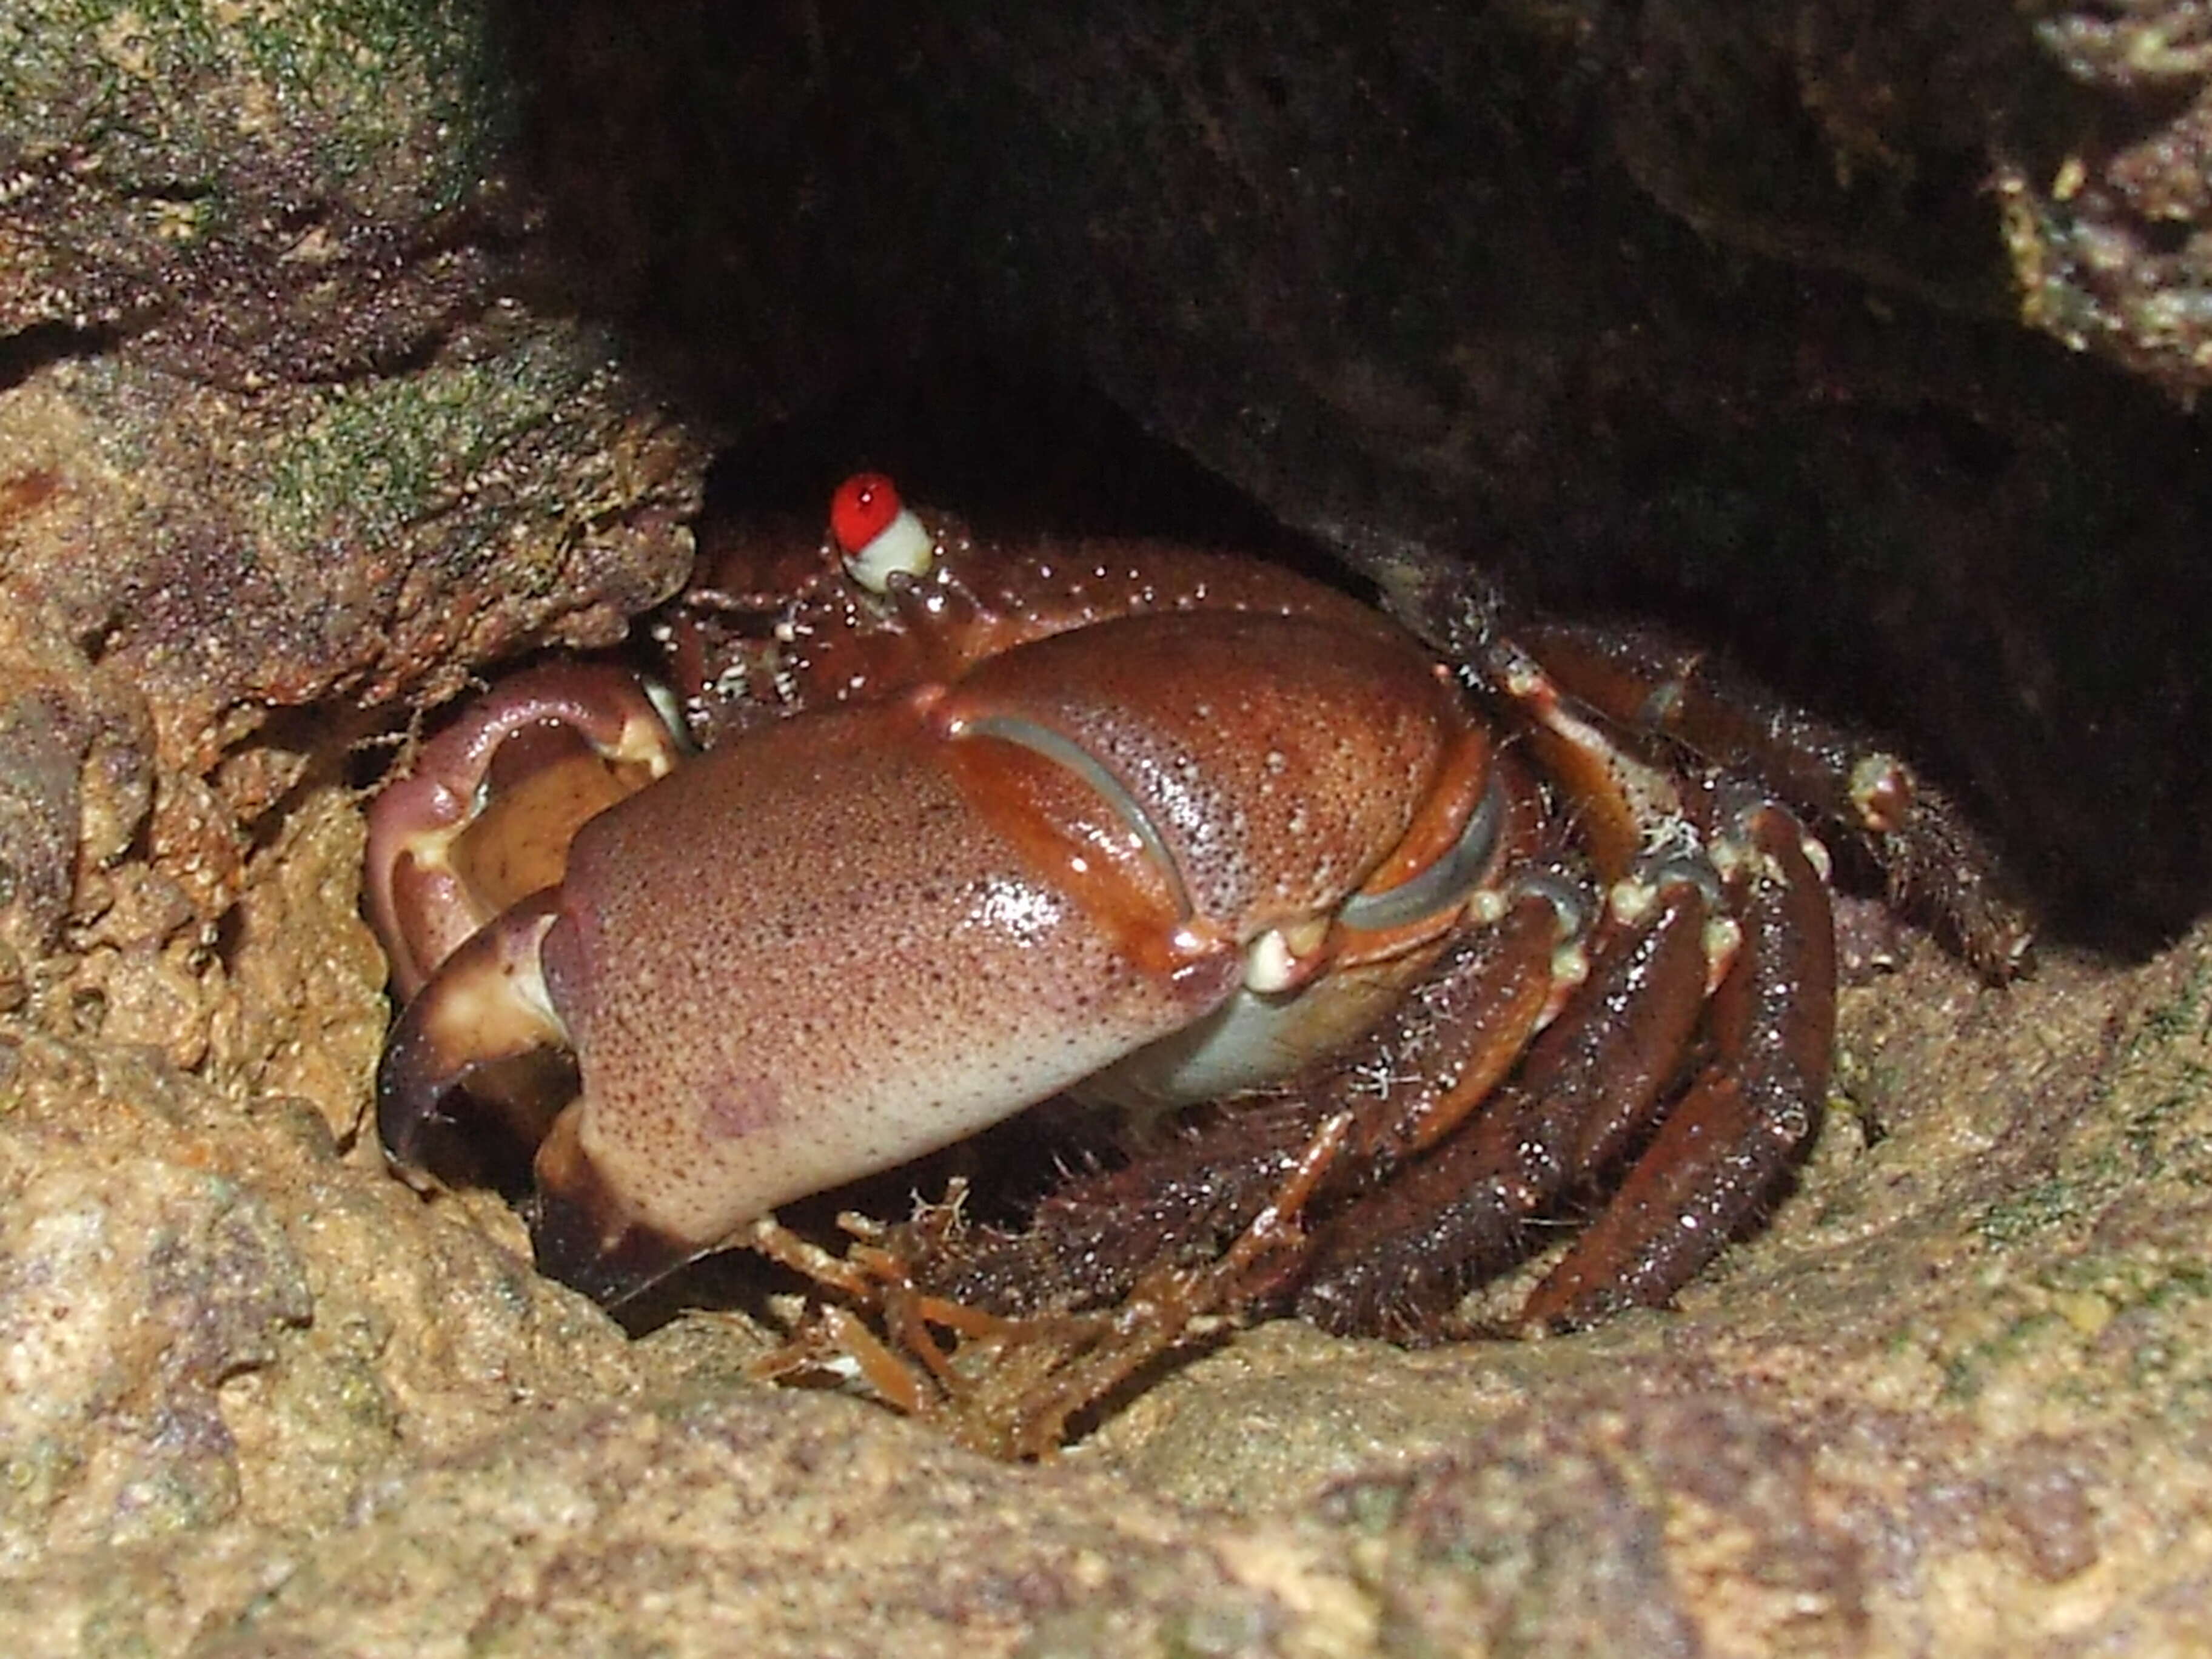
{"x": 773, "y": 622}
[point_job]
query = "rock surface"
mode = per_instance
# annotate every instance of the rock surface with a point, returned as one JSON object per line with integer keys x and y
{"x": 298, "y": 432}
{"x": 263, "y": 1401}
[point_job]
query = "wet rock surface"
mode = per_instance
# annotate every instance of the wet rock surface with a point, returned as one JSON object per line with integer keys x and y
{"x": 300, "y": 430}
{"x": 292, "y": 1410}
{"x": 1996, "y": 1451}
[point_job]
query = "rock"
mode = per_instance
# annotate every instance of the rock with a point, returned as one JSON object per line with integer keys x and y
{"x": 300, "y": 430}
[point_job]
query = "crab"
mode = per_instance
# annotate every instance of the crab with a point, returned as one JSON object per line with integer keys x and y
{"x": 1388, "y": 942}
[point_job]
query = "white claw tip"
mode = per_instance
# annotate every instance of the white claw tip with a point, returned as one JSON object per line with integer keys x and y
{"x": 1486, "y": 905}
{"x": 1817, "y": 856}
{"x": 1724, "y": 939}
{"x": 1631, "y": 901}
{"x": 1269, "y": 964}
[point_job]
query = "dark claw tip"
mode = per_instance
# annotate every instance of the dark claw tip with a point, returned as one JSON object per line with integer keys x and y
{"x": 585, "y": 1235}
{"x": 411, "y": 1080}
{"x": 572, "y": 1246}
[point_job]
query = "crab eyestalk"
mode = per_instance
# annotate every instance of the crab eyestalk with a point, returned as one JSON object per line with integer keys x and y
{"x": 877, "y": 533}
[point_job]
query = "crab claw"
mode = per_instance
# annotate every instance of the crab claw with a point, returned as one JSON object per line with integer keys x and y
{"x": 856, "y": 936}
{"x": 494, "y": 801}
{"x": 488, "y": 1007}
{"x": 582, "y": 1232}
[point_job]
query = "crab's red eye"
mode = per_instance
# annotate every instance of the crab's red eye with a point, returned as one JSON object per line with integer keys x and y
{"x": 862, "y": 509}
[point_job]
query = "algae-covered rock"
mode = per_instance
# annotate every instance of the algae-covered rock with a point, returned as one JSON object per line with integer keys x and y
{"x": 278, "y": 423}
{"x": 275, "y": 427}
{"x": 274, "y": 192}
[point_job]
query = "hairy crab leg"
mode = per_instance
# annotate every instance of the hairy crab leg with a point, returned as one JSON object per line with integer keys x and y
{"x": 1413, "y": 1248}
{"x": 1930, "y": 854}
{"x": 1626, "y": 806}
{"x": 1721, "y": 1151}
{"x": 1453, "y": 1037}
{"x": 1596, "y": 1093}
{"x": 1480, "y": 1003}
{"x": 1102, "y": 1351}
{"x": 1038, "y": 1372}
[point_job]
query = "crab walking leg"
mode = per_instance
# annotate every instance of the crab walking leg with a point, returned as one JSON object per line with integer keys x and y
{"x": 1164, "y": 1309}
{"x": 1446, "y": 1047}
{"x": 1931, "y": 856}
{"x": 474, "y": 1018}
{"x": 1473, "y": 1013}
{"x": 1647, "y": 682}
{"x": 1721, "y": 1151}
{"x": 1413, "y": 1248}
{"x": 1626, "y": 806}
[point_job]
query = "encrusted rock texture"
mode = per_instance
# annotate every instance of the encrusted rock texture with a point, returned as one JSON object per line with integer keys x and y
{"x": 348, "y": 351}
